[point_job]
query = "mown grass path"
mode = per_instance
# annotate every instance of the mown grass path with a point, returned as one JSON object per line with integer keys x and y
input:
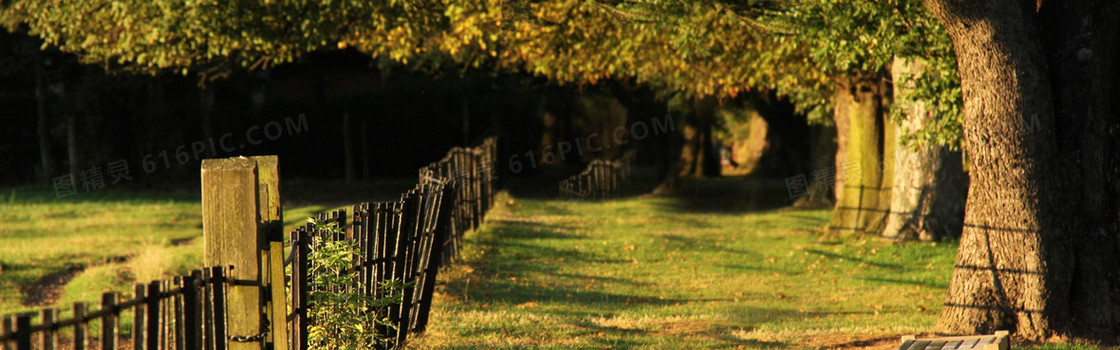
{"x": 675, "y": 272}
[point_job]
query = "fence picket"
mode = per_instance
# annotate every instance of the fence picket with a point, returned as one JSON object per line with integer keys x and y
{"x": 139, "y": 293}
{"x": 49, "y": 335}
{"x": 23, "y": 332}
{"x": 219, "y": 304}
{"x": 109, "y": 321}
{"x": 82, "y": 328}
{"x": 154, "y": 315}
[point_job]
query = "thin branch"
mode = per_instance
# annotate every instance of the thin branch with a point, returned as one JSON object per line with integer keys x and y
{"x": 622, "y": 14}
{"x": 751, "y": 22}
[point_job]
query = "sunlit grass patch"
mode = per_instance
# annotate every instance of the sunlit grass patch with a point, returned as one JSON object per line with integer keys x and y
{"x": 653, "y": 272}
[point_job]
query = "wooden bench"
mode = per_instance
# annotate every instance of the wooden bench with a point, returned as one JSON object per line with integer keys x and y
{"x": 999, "y": 341}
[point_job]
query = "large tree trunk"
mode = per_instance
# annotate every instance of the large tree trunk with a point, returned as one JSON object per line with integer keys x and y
{"x": 1013, "y": 267}
{"x": 927, "y": 199}
{"x": 864, "y": 199}
{"x": 1080, "y": 38}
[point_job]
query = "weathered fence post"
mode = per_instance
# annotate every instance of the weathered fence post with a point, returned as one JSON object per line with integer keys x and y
{"x": 109, "y": 321}
{"x": 82, "y": 328}
{"x": 272, "y": 230}
{"x": 50, "y": 335}
{"x": 232, "y": 237}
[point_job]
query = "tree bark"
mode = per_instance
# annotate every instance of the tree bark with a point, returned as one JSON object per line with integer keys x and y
{"x": 841, "y": 102}
{"x": 1011, "y": 268}
{"x": 927, "y": 199}
{"x": 46, "y": 152}
{"x": 1080, "y": 43}
{"x": 699, "y": 157}
{"x": 823, "y": 153}
{"x": 864, "y": 200}
{"x": 347, "y": 148}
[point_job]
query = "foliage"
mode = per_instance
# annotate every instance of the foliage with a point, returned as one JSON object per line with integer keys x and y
{"x": 722, "y": 48}
{"x": 862, "y": 38}
{"x": 344, "y": 317}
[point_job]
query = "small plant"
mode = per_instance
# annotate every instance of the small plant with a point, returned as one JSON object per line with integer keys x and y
{"x": 344, "y": 317}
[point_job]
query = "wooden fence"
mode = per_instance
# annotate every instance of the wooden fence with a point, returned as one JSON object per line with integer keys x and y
{"x": 600, "y": 179}
{"x": 246, "y": 304}
{"x": 186, "y": 312}
{"x": 396, "y": 241}
{"x": 474, "y": 177}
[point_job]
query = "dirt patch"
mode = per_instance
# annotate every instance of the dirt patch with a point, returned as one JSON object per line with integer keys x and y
{"x": 182, "y": 241}
{"x": 873, "y": 342}
{"x": 46, "y": 291}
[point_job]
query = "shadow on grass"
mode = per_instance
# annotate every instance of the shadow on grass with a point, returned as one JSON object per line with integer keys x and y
{"x": 837, "y": 256}
{"x": 728, "y": 195}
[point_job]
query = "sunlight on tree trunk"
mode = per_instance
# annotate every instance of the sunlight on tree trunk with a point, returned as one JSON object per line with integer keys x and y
{"x": 1012, "y": 268}
{"x": 927, "y": 199}
{"x": 864, "y": 199}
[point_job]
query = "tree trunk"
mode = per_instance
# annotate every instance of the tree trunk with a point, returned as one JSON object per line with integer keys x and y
{"x": 1013, "y": 263}
{"x": 841, "y": 103}
{"x": 347, "y": 148}
{"x": 72, "y": 152}
{"x": 864, "y": 200}
{"x": 1080, "y": 43}
{"x": 927, "y": 199}
{"x": 823, "y": 150}
{"x": 698, "y": 155}
{"x": 46, "y": 153}
{"x": 206, "y": 101}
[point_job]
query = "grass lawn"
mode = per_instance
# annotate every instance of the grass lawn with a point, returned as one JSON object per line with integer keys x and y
{"x": 56, "y": 251}
{"x": 682, "y": 272}
{"x": 713, "y": 268}
{"x": 667, "y": 273}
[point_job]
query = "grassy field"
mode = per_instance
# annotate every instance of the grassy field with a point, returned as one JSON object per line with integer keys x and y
{"x": 56, "y": 251}
{"x": 680, "y": 272}
{"x": 722, "y": 265}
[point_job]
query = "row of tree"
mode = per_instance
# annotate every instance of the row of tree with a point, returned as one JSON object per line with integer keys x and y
{"x": 1039, "y": 241}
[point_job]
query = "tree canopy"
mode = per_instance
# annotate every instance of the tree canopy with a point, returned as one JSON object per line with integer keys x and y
{"x": 796, "y": 48}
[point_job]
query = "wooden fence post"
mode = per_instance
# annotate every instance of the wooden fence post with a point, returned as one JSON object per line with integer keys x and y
{"x": 109, "y": 321}
{"x": 232, "y": 237}
{"x": 23, "y": 332}
{"x": 50, "y": 335}
{"x": 82, "y": 328}
{"x": 272, "y": 230}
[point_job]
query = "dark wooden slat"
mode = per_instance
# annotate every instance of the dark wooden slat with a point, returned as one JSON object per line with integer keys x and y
{"x": 300, "y": 296}
{"x": 23, "y": 332}
{"x": 401, "y": 268}
{"x": 192, "y": 311}
{"x": 139, "y": 292}
{"x": 153, "y": 311}
{"x": 7, "y": 328}
{"x": 49, "y": 335}
{"x": 207, "y": 310}
{"x": 110, "y": 321}
{"x": 441, "y": 230}
{"x": 219, "y": 296}
{"x": 81, "y": 330}
{"x": 179, "y": 318}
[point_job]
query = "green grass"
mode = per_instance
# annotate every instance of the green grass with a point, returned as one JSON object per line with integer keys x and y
{"x": 664, "y": 273}
{"x": 643, "y": 272}
{"x": 112, "y": 238}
